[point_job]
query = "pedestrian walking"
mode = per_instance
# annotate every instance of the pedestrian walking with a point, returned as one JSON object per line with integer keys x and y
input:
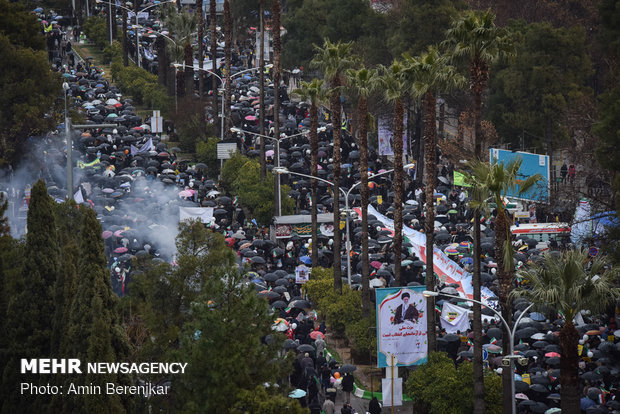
{"x": 563, "y": 172}
{"x": 571, "y": 172}
{"x": 347, "y": 386}
{"x": 329, "y": 407}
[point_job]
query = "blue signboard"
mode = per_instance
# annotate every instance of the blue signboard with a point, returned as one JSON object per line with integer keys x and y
{"x": 531, "y": 164}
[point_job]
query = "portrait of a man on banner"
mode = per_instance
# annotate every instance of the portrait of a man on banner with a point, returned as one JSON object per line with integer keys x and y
{"x": 401, "y": 325}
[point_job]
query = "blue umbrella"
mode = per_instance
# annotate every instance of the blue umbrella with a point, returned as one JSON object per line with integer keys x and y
{"x": 537, "y": 316}
{"x": 305, "y": 259}
{"x": 38, "y": 10}
{"x": 467, "y": 260}
{"x": 297, "y": 393}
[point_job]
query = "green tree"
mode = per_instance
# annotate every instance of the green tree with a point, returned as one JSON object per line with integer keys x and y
{"x": 94, "y": 332}
{"x": 429, "y": 74}
{"x": 29, "y": 314}
{"x": 228, "y": 344}
{"x": 28, "y": 89}
{"x": 259, "y": 400}
{"x": 315, "y": 93}
{"x": 415, "y": 24}
{"x": 550, "y": 75}
{"x": 434, "y": 379}
{"x": 491, "y": 183}
{"x": 363, "y": 82}
{"x": 569, "y": 284}
{"x": 206, "y": 152}
{"x": 307, "y": 24}
{"x": 474, "y": 36}
{"x": 96, "y": 30}
{"x": 396, "y": 87}
{"x": 333, "y": 59}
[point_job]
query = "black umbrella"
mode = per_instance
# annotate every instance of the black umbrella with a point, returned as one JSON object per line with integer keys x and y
{"x": 278, "y": 304}
{"x": 289, "y": 344}
{"x": 305, "y": 348}
{"x": 270, "y": 277}
{"x": 301, "y": 304}
{"x": 347, "y": 368}
{"x": 282, "y": 282}
{"x": 258, "y": 260}
{"x": 521, "y": 386}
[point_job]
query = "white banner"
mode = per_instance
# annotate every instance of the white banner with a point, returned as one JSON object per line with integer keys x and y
{"x": 401, "y": 326}
{"x": 445, "y": 268}
{"x": 204, "y": 214}
{"x": 454, "y": 318}
{"x": 386, "y": 389}
{"x": 301, "y": 274}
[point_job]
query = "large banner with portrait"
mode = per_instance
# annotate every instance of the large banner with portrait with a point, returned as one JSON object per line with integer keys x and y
{"x": 401, "y": 326}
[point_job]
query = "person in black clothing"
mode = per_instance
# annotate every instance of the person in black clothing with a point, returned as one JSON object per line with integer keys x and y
{"x": 374, "y": 407}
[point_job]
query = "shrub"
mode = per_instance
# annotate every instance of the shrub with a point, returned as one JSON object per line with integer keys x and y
{"x": 439, "y": 387}
{"x": 141, "y": 85}
{"x": 95, "y": 28}
{"x": 363, "y": 336}
{"x": 339, "y": 310}
{"x": 206, "y": 152}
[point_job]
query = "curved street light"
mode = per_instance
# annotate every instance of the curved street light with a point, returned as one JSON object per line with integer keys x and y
{"x": 511, "y": 336}
{"x": 347, "y": 210}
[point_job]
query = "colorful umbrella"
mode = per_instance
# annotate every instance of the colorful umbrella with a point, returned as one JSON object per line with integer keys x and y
{"x": 106, "y": 234}
{"x": 376, "y": 264}
{"x": 120, "y": 250}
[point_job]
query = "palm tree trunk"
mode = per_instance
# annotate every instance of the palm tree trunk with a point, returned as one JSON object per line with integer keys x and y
{"x": 162, "y": 61}
{"x": 201, "y": 57}
{"x": 479, "y": 76}
{"x": 227, "y": 57}
{"x": 569, "y": 379}
{"x": 275, "y": 27}
{"x": 362, "y": 111}
{"x": 430, "y": 170}
{"x": 125, "y": 45}
{"x": 212, "y": 23}
{"x": 188, "y": 53}
{"x": 261, "y": 81}
{"x": 505, "y": 286}
{"x": 478, "y": 370}
{"x": 314, "y": 149}
{"x": 398, "y": 188}
{"x": 335, "y": 108}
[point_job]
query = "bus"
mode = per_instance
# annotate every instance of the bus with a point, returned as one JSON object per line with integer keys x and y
{"x": 543, "y": 233}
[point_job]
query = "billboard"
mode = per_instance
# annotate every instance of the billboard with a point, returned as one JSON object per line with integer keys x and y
{"x": 401, "y": 326}
{"x": 531, "y": 164}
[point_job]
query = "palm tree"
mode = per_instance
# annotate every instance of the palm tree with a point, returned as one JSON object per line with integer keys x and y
{"x": 275, "y": 29}
{"x": 315, "y": 93}
{"x": 475, "y": 36}
{"x": 569, "y": 284}
{"x": 431, "y": 73}
{"x": 227, "y": 57}
{"x": 212, "y": 27}
{"x": 363, "y": 82}
{"x": 395, "y": 85}
{"x": 333, "y": 59}
{"x": 201, "y": 57}
{"x": 261, "y": 95}
{"x": 491, "y": 183}
{"x": 182, "y": 25}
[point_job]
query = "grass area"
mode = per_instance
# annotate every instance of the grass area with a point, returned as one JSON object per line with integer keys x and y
{"x": 86, "y": 49}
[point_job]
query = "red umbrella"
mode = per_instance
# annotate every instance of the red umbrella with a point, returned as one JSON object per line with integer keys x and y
{"x": 118, "y": 233}
{"x": 250, "y": 118}
{"x": 120, "y": 250}
{"x": 376, "y": 264}
{"x": 552, "y": 354}
{"x": 106, "y": 234}
{"x": 230, "y": 241}
{"x": 316, "y": 334}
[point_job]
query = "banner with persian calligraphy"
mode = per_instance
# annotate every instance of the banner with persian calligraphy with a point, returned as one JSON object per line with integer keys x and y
{"x": 401, "y": 326}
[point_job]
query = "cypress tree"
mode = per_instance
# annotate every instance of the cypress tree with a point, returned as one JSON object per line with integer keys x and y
{"x": 29, "y": 314}
{"x": 94, "y": 334}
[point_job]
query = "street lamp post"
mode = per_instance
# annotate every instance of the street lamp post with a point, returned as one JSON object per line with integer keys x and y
{"x": 511, "y": 335}
{"x": 277, "y": 140}
{"x": 136, "y": 25}
{"x": 347, "y": 210}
